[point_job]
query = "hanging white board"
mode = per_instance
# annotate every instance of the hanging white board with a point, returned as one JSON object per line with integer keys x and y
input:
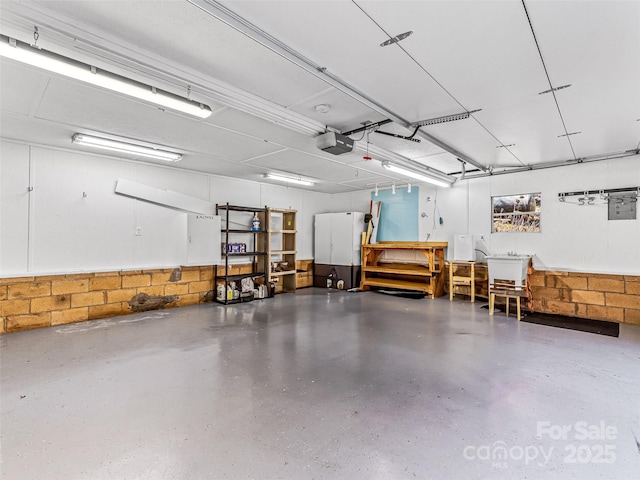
{"x": 166, "y": 198}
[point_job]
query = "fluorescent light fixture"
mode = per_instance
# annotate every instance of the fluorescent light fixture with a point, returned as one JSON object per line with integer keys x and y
{"x": 282, "y": 178}
{"x": 124, "y": 146}
{"x": 416, "y": 175}
{"x": 67, "y": 67}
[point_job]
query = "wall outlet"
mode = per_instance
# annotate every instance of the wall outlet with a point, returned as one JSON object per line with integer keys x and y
{"x": 138, "y": 231}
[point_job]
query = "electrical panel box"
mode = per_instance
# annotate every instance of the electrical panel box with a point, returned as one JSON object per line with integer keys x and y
{"x": 622, "y": 206}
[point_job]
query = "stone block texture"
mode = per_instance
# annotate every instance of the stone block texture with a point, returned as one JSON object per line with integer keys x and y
{"x": 614, "y": 298}
{"x": 49, "y": 300}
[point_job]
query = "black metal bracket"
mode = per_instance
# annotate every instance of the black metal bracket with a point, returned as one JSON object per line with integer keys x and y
{"x": 373, "y": 126}
{"x": 403, "y": 137}
{"x": 368, "y": 126}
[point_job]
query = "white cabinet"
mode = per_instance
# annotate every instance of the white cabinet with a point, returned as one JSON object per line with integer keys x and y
{"x": 203, "y": 240}
{"x": 337, "y": 238}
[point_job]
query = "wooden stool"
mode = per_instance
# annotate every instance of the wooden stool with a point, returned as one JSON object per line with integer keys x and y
{"x": 455, "y": 280}
{"x": 507, "y": 294}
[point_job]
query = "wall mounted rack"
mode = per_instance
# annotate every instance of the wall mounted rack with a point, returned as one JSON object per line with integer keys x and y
{"x": 602, "y": 193}
{"x": 621, "y": 202}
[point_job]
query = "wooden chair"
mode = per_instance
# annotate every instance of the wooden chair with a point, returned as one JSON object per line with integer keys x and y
{"x": 508, "y": 291}
{"x": 462, "y": 280}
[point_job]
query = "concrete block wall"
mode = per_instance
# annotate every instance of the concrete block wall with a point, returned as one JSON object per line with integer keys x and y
{"x": 44, "y": 301}
{"x": 615, "y": 298}
{"x": 304, "y": 277}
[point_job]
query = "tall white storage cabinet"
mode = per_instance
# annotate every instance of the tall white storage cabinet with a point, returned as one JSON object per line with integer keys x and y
{"x": 337, "y": 249}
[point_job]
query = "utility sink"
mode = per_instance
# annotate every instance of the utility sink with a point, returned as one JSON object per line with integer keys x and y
{"x": 510, "y": 267}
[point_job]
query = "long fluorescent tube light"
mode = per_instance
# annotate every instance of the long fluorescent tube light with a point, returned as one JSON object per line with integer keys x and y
{"x": 282, "y": 178}
{"x": 125, "y": 147}
{"x": 55, "y": 63}
{"x": 417, "y": 176}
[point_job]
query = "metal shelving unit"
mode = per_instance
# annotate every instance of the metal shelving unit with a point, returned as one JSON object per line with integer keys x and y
{"x": 257, "y": 241}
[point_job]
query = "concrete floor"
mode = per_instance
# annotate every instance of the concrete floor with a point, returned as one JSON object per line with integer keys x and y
{"x": 320, "y": 385}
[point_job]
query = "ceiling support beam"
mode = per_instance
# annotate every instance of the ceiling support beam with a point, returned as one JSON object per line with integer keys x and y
{"x": 222, "y": 13}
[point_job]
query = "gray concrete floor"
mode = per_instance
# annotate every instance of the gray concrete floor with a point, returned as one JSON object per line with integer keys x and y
{"x": 320, "y": 385}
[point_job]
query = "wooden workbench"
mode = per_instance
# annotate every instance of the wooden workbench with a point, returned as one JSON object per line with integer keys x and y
{"x": 413, "y": 266}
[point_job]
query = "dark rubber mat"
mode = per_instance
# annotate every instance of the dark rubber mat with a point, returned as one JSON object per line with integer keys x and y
{"x": 600, "y": 327}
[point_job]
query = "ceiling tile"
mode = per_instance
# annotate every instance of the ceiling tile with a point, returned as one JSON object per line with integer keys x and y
{"x": 345, "y": 113}
{"x": 471, "y": 55}
{"x": 601, "y": 64}
{"x": 20, "y": 87}
{"x": 347, "y": 44}
{"x": 445, "y": 162}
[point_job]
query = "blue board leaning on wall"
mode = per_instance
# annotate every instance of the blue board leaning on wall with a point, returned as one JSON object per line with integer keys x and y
{"x": 399, "y": 215}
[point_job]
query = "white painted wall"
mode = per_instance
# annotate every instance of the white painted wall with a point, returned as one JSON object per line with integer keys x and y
{"x": 14, "y": 207}
{"x": 573, "y": 237}
{"x": 55, "y": 228}
{"x": 72, "y": 220}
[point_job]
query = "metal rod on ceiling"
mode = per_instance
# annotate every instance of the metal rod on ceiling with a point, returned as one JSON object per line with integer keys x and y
{"x": 542, "y": 166}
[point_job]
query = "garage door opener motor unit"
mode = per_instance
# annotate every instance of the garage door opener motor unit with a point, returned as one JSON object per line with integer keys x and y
{"x": 334, "y": 143}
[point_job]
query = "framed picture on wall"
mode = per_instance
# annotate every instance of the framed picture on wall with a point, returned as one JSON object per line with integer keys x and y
{"x": 516, "y": 213}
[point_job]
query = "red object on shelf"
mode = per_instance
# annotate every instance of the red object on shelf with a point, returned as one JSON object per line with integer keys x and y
{"x": 366, "y": 158}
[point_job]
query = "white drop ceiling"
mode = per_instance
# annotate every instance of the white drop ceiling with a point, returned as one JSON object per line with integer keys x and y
{"x": 462, "y": 56}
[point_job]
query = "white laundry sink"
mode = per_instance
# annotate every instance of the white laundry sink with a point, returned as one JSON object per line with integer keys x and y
{"x": 512, "y": 267}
